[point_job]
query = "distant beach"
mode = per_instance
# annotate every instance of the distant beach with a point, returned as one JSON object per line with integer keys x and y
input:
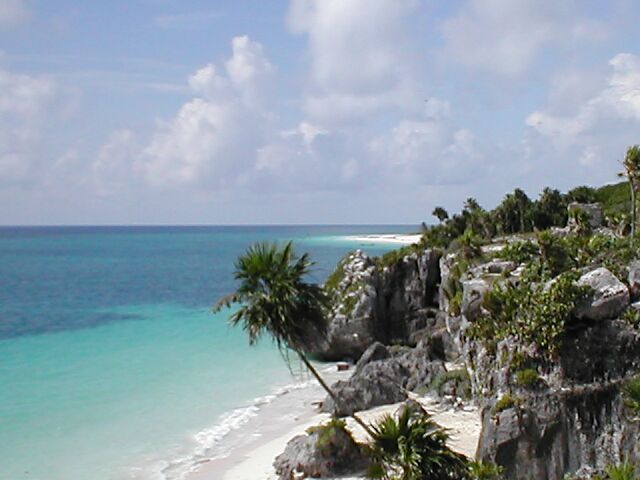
{"x": 387, "y": 238}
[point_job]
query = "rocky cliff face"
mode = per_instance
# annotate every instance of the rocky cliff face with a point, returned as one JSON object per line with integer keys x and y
{"x": 390, "y": 304}
{"x": 544, "y": 416}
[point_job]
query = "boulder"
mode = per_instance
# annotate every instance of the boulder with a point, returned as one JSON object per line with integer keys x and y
{"x": 593, "y": 211}
{"x": 376, "y": 351}
{"x": 378, "y": 383}
{"x": 386, "y": 380}
{"x": 326, "y": 451}
{"x": 609, "y": 299}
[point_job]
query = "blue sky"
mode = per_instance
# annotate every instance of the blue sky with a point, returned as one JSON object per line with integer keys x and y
{"x": 303, "y": 111}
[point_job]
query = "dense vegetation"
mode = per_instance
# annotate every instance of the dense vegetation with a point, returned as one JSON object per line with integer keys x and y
{"x": 518, "y": 214}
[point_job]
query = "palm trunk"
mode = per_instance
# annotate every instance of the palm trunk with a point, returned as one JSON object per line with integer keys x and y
{"x": 315, "y": 373}
{"x": 633, "y": 211}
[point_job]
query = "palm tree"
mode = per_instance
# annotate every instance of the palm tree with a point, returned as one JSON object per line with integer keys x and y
{"x": 275, "y": 299}
{"x": 441, "y": 214}
{"x": 631, "y": 164}
{"x": 413, "y": 447}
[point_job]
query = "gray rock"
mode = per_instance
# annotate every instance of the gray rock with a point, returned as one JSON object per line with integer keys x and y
{"x": 307, "y": 456}
{"x": 385, "y": 381}
{"x": 547, "y": 437}
{"x": 633, "y": 278}
{"x": 473, "y": 292}
{"x": 379, "y": 382}
{"x": 610, "y": 296}
{"x": 375, "y": 304}
{"x": 376, "y": 351}
{"x": 353, "y": 322}
{"x": 593, "y": 211}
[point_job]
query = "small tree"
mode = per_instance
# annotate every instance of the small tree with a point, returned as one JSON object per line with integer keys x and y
{"x": 440, "y": 213}
{"x": 631, "y": 164}
{"x": 275, "y": 299}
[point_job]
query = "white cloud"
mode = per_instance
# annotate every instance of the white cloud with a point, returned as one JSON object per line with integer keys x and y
{"x": 214, "y": 137}
{"x": 13, "y": 12}
{"x": 359, "y": 56}
{"x": 618, "y": 100}
{"x": 24, "y": 104}
{"x": 427, "y": 152}
{"x": 506, "y": 36}
{"x": 596, "y": 132}
{"x": 112, "y": 167}
{"x": 248, "y": 69}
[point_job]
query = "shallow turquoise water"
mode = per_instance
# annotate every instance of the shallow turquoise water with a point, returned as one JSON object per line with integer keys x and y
{"x": 111, "y": 364}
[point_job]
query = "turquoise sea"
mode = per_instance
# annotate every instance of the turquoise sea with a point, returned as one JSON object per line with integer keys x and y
{"x": 112, "y": 365}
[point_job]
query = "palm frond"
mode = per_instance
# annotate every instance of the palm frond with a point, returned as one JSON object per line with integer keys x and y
{"x": 275, "y": 298}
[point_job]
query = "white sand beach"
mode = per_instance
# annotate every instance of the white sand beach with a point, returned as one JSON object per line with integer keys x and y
{"x": 400, "y": 239}
{"x": 267, "y": 435}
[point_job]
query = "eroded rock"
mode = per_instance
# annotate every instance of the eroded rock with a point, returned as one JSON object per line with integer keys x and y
{"x": 609, "y": 299}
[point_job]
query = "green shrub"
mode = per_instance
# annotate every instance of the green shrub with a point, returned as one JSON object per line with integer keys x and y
{"x": 395, "y": 256}
{"x": 461, "y": 379}
{"x": 632, "y": 316}
{"x": 528, "y": 378}
{"x": 485, "y": 471}
{"x": 519, "y": 252}
{"x": 624, "y": 471}
{"x": 506, "y": 401}
{"x": 631, "y": 391}
{"x": 470, "y": 244}
{"x": 529, "y": 311}
{"x": 328, "y": 435}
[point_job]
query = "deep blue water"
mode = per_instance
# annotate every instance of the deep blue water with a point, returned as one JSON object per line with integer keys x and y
{"x": 110, "y": 360}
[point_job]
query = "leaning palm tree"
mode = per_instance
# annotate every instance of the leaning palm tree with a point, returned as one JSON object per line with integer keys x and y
{"x": 631, "y": 164}
{"x": 275, "y": 299}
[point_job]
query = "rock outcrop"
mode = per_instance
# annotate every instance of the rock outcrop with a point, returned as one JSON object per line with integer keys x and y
{"x": 543, "y": 416}
{"x": 390, "y": 304}
{"x": 384, "y": 375}
{"x": 326, "y": 451}
{"x": 593, "y": 212}
{"x": 610, "y": 296}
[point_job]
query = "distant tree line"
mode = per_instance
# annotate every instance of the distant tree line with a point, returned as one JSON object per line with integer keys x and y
{"x": 517, "y": 213}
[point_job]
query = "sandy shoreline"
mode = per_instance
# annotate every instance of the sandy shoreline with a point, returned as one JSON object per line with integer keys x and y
{"x": 399, "y": 239}
{"x": 265, "y": 436}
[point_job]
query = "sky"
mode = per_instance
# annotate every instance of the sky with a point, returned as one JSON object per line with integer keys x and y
{"x": 307, "y": 111}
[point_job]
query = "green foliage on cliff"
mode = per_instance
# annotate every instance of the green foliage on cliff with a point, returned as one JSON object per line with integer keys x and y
{"x": 336, "y": 277}
{"x": 631, "y": 391}
{"x": 460, "y": 379}
{"x": 505, "y": 402}
{"x": 614, "y": 198}
{"x": 394, "y": 256}
{"x": 530, "y": 311}
{"x": 517, "y": 213}
{"x": 485, "y": 471}
{"x": 624, "y": 471}
{"x": 329, "y": 436}
{"x": 519, "y": 252}
{"x": 528, "y": 378}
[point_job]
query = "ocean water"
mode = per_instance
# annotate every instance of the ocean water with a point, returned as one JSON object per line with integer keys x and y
{"x": 112, "y": 365}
